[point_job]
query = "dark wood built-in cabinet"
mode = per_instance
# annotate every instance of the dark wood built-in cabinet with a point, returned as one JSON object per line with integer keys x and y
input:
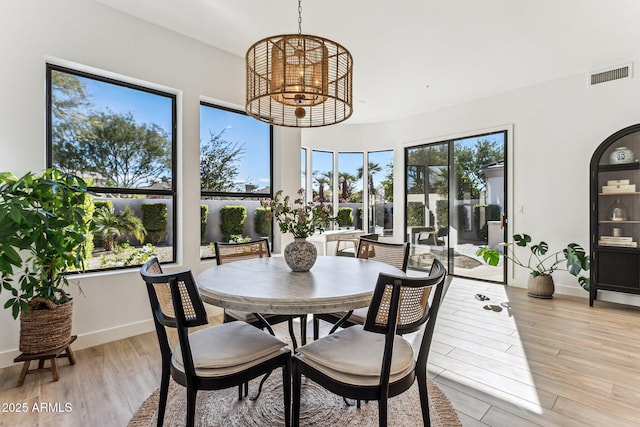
{"x": 615, "y": 214}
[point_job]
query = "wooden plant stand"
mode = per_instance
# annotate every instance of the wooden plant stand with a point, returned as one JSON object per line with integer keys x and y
{"x": 52, "y": 355}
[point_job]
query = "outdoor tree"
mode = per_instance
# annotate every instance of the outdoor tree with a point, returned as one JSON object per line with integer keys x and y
{"x": 117, "y": 149}
{"x": 347, "y": 186}
{"x": 469, "y": 165}
{"x": 372, "y": 169}
{"x": 322, "y": 179}
{"x": 219, "y": 159}
{"x": 69, "y": 103}
{"x": 387, "y": 183}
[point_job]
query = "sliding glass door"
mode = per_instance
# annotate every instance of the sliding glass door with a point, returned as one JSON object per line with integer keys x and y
{"x": 455, "y": 203}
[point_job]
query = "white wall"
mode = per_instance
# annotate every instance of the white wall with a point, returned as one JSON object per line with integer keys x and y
{"x": 114, "y": 305}
{"x": 556, "y": 126}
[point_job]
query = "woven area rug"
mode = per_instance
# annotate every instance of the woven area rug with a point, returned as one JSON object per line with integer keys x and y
{"x": 318, "y": 408}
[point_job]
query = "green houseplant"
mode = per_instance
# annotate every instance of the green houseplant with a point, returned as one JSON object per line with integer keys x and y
{"x": 541, "y": 263}
{"x": 302, "y": 220}
{"x": 43, "y": 229}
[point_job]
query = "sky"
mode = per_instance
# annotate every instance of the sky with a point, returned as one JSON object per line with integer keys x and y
{"x": 253, "y": 166}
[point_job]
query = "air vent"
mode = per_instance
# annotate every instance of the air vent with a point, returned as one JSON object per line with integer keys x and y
{"x": 623, "y": 72}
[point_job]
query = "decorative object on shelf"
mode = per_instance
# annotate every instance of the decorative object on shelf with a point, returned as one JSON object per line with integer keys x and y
{"x": 302, "y": 220}
{"x": 542, "y": 263}
{"x": 617, "y": 240}
{"x": 618, "y": 211}
{"x": 618, "y": 186}
{"x": 44, "y": 227}
{"x": 621, "y": 155}
{"x": 299, "y": 80}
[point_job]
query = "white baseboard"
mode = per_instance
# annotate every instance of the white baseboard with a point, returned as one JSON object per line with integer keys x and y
{"x": 92, "y": 339}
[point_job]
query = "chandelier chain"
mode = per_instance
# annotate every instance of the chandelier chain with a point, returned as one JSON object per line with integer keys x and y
{"x": 299, "y": 17}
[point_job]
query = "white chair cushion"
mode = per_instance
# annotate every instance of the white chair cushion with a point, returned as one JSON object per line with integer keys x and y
{"x": 228, "y": 348}
{"x": 354, "y": 356}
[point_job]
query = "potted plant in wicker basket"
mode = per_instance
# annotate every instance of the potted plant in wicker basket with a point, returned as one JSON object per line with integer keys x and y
{"x": 43, "y": 227}
{"x": 541, "y": 263}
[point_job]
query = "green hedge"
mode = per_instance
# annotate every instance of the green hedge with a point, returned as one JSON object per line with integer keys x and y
{"x": 481, "y": 215}
{"x": 204, "y": 214}
{"x": 345, "y": 217}
{"x": 415, "y": 214}
{"x": 154, "y": 219}
{"x": 232, "y": 220}
{"x": 442, "y": 213}
{"x": 261, "y": 224}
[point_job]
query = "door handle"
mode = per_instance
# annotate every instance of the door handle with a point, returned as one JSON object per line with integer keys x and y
{"x": 501, "y": 220}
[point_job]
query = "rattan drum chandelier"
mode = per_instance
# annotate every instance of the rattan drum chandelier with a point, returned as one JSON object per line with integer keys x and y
{"x": 299, "y": 80}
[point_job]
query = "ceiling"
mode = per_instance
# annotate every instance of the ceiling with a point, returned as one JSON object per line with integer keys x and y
{"x": 413, "y": 56}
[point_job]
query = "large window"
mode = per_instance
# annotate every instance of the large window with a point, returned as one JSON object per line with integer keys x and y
{"x": 235, "y": 172}
{"x": 119, "y": 137}
{"x": 363, "y": 187}
{"x": 380, "y": 192}
{"x": 350, "y": 179}
{"x": 322, "y": 177}
{"x": 455, "y": 201}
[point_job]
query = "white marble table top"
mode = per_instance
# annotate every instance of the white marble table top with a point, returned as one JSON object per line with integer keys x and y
{"x": 267, "y": 285}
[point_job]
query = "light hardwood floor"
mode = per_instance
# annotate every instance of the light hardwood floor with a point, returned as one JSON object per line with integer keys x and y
{"x": 540, "y": 362}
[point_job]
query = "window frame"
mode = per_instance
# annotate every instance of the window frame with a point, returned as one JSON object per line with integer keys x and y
{"x": 239, "y": 194}
{"x": 171, "y": 192}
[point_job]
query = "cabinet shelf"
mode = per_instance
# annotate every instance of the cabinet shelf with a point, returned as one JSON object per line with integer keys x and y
{"x": 622, "y": 193}
{"x": 621, "y": 167}
{"x": 615, "y": 267}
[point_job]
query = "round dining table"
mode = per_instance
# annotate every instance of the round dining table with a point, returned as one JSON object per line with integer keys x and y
{"x": 267, "y": 285}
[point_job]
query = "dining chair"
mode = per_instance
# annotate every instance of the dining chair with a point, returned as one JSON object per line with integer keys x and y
{"x": 233, "y": 252}
{"x": 212, "y": 358}
{"x": 441, "y": 235}
{"x": 374, "y": 361}
{"x": 348, "y": 247}
{"x": 395, "y": 254}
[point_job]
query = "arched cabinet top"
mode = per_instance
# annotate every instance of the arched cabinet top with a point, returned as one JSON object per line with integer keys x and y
{"x": 621, "y": 148}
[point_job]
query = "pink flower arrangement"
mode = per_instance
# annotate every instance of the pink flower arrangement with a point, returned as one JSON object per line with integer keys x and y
{"x": 298, "y": 218}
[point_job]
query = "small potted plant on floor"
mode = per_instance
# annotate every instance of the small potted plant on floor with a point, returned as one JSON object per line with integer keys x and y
{"x": 541, "y": 263}
{"x": 43, "y": 228}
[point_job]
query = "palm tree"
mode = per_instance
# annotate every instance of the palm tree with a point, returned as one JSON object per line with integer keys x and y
{"x": 372, "y": 168}
{"x": 110, "y": 226}
{"x": 324, "y": 178}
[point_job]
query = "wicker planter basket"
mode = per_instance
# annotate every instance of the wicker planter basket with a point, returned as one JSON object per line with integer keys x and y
{"x": 45, "y": 330}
